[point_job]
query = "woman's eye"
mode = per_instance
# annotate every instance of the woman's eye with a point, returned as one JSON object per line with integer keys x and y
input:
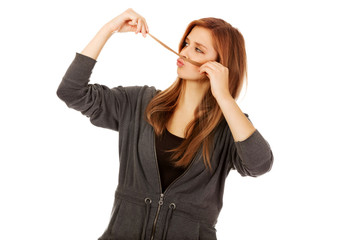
{"x": 198, "y": 50}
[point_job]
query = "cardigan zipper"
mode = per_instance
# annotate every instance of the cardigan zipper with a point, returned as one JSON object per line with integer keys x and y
{"x": 161, "y": 200}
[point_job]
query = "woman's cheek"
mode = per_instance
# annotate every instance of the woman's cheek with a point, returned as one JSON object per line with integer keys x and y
{"x": 189, "y": 72}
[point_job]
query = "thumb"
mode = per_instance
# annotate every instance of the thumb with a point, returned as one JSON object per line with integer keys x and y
{"x": 133, "y": 22}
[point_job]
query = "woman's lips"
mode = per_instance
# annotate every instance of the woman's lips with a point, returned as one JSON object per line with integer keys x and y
{"x": 180, "y": 62}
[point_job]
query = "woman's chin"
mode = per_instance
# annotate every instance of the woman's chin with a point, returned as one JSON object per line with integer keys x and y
{"x": 190, "y": 77}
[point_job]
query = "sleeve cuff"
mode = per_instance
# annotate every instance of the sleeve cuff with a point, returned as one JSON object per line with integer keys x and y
{"x": 253, "y": 144}
{"x": 85, "y": 58}
{"x": 80, "y": 68}
{"x": 254, "y": 151}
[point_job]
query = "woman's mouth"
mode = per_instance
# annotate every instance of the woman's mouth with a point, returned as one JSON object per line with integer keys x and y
{"x": 180, "y": 62}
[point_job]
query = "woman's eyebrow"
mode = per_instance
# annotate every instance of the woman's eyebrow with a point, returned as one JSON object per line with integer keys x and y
{"x": 199, "y": 44}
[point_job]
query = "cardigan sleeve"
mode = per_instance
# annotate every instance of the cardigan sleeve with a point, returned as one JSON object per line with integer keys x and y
{"x": 102, "y": 105}
{"x": 251, "y": 157}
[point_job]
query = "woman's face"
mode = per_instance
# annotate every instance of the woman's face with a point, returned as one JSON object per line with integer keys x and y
{"x": 198, "y": 46}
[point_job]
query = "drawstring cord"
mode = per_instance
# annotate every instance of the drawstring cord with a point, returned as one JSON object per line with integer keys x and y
{"x": 147, "y": 202}
{"x": 172, "y": 207}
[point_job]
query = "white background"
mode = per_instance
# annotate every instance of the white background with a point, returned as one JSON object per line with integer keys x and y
{"x": 58, "y": 172}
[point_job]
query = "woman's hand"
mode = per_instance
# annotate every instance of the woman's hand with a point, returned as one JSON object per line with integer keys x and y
{"x": 129, "y": 21}
{"x": 219, "y": 78}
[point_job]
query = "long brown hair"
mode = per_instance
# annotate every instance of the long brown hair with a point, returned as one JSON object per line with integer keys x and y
{"x": 230, "y": 46}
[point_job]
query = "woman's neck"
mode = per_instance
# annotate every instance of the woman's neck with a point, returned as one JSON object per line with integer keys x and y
{"x": 191, "y": 95}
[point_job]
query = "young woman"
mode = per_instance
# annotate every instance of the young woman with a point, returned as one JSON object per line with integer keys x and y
{"x": 176, "y": 146}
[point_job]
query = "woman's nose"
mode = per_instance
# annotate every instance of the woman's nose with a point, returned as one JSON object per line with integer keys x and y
{"x": 184, "y": 53}
{"x": 184, "y": 56}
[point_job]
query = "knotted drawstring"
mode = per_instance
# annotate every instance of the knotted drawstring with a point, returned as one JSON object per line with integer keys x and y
{"x": 172, "y": 207}
{"x": 147, "y": 202}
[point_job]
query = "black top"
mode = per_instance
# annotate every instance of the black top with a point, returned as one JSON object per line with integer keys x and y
{"x": 168, "y": 173}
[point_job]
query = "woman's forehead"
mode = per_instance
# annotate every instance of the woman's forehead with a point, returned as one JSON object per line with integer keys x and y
{"x": 202, "y": 36}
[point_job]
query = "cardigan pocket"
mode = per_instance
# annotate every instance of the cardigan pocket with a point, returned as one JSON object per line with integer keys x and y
{"x": 207, "y": 232}
{"x": 114, "y": 212}
{"x": 181, "y": 228}
{"x": 128, "y": 221}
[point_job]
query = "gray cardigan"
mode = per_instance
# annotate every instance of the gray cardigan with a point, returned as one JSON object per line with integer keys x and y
{"x": 190, "y": 206}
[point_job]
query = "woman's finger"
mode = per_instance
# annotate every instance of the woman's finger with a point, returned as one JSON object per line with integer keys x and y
{"x": 134, "y": 22}
{"x": 214, "y": 64}
{"x": 138, "y": 26}
{"x": 218, "y": 65}
{"x": 147, "y": 28}
{"x": 143, "y": 30}
{"x": 205, "y": 69}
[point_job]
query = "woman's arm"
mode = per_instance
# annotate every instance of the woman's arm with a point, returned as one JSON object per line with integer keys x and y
{"x": 104, "y": 106}
{"x": 250, "y": 153}
{"x": 95, "y": 46}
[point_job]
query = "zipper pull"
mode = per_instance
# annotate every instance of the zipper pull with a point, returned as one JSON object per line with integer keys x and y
{"x": 161, "y": 201}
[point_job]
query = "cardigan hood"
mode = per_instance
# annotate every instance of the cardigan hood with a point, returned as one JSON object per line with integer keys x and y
{"x": 190, "y": 206}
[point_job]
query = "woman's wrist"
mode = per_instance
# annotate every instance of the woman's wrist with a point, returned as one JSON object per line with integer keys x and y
{"x": 107, "y": 29}
{"x": 95, "y": 46}
{"x": 113, "y": 25}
